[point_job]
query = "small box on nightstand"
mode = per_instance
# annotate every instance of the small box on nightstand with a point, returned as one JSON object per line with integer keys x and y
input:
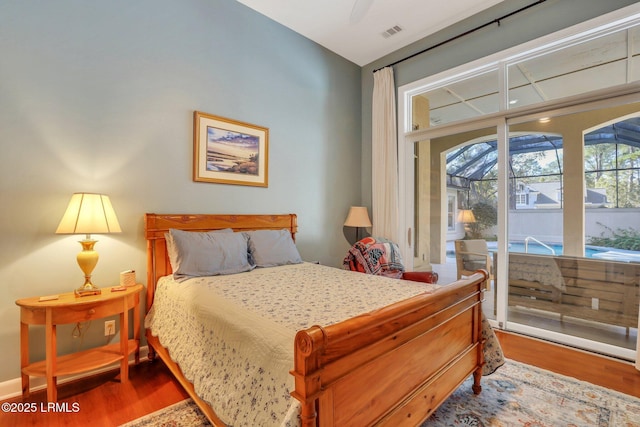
{"x": 128, "y": 278}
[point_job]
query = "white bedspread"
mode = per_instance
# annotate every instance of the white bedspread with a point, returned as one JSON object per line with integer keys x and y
{"x": 233, "y": 335}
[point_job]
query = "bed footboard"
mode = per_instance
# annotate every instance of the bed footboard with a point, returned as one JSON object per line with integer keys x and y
{"x": 394, "y": 366}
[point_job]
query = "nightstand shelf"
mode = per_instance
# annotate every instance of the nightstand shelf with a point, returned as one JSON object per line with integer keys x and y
{"x": 68, "y": 308}
{"x": 82, "y": 361}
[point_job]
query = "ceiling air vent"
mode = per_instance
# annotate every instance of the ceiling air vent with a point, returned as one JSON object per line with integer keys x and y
{"x": 391, "y": 31}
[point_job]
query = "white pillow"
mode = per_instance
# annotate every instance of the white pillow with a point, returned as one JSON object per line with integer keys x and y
{"x": 270, "y": 248}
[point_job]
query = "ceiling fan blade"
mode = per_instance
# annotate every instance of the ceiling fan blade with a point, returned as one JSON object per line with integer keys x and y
{"x": 360, "y": 9}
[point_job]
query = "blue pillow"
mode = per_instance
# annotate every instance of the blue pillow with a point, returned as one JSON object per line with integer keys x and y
{"x": 171, "y": 247}
{"x": 270, "y": 248}
{"x": 209, "y": 253}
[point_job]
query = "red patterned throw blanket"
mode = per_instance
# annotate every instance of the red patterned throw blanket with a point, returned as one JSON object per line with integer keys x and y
{"x": 375, "y": 255}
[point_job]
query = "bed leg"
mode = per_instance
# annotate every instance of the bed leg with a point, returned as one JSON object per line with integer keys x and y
{"x": 477, "y": 376}
{"x": 308, "y": 415}
{"x": 151, "y": 354}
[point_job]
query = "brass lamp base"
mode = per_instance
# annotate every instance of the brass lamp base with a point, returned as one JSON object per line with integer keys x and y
{"x": 87, "y": 260}
{"x": 87, "y": 289}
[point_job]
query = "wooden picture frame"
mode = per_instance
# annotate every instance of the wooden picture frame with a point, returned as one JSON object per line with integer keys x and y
{"x": 228, "y": 151}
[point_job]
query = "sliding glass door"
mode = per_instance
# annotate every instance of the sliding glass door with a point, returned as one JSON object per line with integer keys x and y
{"x": 567, "y": 265}
{"x": 573, "y": 270}
{"x": 530, "y": 169}
{"x": 461, "y": 200}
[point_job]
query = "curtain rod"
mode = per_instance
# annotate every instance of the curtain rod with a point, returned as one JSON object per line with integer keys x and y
{"x": 473, "y": 30}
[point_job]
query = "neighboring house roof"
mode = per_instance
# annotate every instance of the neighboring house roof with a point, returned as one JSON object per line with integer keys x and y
{"x": 596, "y": 196}
{"x": 543, "y": 199}
{"x": 548, "y": 194}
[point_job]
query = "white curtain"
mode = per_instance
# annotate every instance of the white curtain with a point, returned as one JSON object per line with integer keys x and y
{"x": 384, "y": 157}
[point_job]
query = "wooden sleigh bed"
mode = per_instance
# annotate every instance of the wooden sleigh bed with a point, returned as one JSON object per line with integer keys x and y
{"x": 393, "y": 366}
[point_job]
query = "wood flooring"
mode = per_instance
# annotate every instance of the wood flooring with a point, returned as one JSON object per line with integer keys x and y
{"x": 102, "y": 401}
{"x": 601, "y": 370}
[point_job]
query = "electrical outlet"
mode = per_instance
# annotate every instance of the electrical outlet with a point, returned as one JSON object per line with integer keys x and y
{"x": 109, "y": 328}
{"x": 595, "y": 303}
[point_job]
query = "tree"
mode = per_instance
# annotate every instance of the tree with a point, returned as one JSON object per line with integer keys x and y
{"x": 486, "y": 217}
{"x": 616, "y": 168}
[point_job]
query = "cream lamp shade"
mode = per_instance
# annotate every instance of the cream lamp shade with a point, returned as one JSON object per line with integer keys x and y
{"x": 88, "y": 214}
{"x": 466, "y": 216}
{"x": 358, "y": 217}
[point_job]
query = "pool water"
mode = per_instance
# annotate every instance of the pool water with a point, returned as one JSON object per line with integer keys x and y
{"x": 535, "y": 248}
{"x": 590, "y": 251}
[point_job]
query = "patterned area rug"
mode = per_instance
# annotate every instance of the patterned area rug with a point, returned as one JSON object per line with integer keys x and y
{"x": 515, "y": 395}
{"x": 181, "y": 414}
{"x": 525, "y": 396}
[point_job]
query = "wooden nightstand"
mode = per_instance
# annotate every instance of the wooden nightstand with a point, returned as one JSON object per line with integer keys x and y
{"x": 71, "y": 309}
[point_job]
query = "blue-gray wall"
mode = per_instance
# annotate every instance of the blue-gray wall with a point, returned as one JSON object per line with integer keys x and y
{"x": 99, "y": 96}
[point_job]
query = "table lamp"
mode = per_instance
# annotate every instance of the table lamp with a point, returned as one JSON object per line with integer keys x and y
{"x": 88, "y": 214}
{"x": 358, "y": 217}
{"x": 466, "y": 217}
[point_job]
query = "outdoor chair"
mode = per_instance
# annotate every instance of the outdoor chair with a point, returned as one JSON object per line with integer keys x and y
{"x": 472, "y": 255}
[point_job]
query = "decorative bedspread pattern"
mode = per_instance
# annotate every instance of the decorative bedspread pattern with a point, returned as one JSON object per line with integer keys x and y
{"x": 233, "y": 335}
{"x": 536, "y": 268}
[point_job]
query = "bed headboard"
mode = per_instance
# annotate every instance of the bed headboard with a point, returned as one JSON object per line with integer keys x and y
{"x": 156, "y": 225}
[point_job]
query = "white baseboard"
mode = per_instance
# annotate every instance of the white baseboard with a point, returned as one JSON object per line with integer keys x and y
{"x": 13, "y": 388}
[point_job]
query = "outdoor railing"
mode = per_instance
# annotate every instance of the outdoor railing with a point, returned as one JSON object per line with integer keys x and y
{"x": 526, "y": 244}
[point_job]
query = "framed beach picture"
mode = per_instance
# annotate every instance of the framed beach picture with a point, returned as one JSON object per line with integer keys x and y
{"x": 229, "y": 152}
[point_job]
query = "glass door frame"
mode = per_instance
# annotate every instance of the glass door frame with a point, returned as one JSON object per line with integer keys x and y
{"x": 501, "y": 120}
{"x": 501, "y": 124}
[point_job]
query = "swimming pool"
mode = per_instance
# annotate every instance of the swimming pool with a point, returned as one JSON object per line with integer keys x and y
{"x": 597, "y": 252}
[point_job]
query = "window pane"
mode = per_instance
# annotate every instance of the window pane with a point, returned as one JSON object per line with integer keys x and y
{"x": 579, "y": 277}
{"x": 612, "y": 165}
{"x": 581, "y": 68}
{"x": 471, "y": 155}
{"x": 465, "y": 99}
